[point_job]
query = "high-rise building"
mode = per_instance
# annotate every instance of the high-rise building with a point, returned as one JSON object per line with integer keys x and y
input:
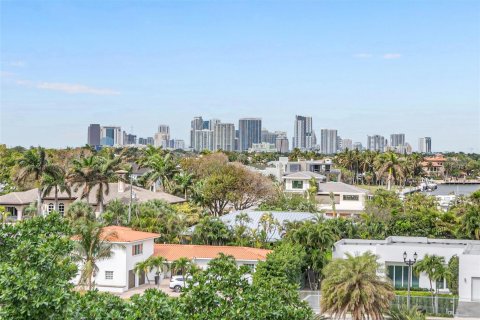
{"x": 282, "y": 142}
{"x": 347, "y": 144}
{"x": 425, "y": 145}
{"x": 397, "y": 139}
{"x": 376, "y": 143}
{"x": 250, "y": 131}
{"x": 224, "y": 137}
{"x": 150, "y": 140}
{"x": 195, "y": 124}
{"x": 203, "y": 140}
{"x": 129, "y": 139}
{"x": 93, "y": 135}
{"x": 269, "y": 137}
{"x": 163, "y": 128}
{"x": 162, "y": 137}
{"x": 328, "y": 141}
{"x": 111, "y": 136}
{"x": 357, "y": 146}
{"x": 304, "y": 136}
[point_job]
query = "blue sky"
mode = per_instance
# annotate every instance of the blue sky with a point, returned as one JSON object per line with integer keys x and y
{"x": 362, "y": 67}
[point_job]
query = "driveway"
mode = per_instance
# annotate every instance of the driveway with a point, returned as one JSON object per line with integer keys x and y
{"x": 140, "y": 289}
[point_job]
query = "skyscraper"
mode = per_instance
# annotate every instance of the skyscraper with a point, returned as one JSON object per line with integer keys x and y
{"x": 397, "y": 140}
{"x": 269, "y": 137}
{"x": 328, "y": 141}
{"x": 111, "y": 136}
{"x": 203, "y": 140}
{"x": 425, "y": 145}
{"x": 195, "y": 124}
{"x": 281, "y": 142}
{"x": 163, "y": 128}
{"x": 376, "y": 143}
{"x": 162, "y": 136}
{"x": 250, "y": 131}
{"x": 224, "y": 137}
{"x": 304, "y": 137}
{"x": 93, "y": 138}
{"x": 347, "y": 144}
{"x": 357, "y": 146}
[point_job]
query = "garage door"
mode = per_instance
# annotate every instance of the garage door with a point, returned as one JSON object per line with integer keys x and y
{"x": 475, "y": 289}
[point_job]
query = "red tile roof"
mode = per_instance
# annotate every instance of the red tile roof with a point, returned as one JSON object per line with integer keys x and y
{"x": 124, "y": 234}
{"x": 175, "y": 251}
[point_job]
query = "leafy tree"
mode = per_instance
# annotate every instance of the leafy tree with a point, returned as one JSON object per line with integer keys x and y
{"x": 434, "y": 267}
{"x": 78, "y": 211}
{"x": 223, "y": 292}
{"x": 153, "y": 304}
{"x": 55, "y": 179}
{"x": 142, "y": 266}
{"x": 158, "y": 263}
{"x": 162, "y": 169}
{"x": 211, "y": 231}
{"x": 183, "y": 181}
{"x": 391, "y": 164}
{"x": 181, "y": 264}
{"x": 94, "y": 305}
{"x": 352, "y": 286}
{"x": 35, "y": 269}
{"x": 470, "y": 222}
{"x": 116, "y": 213}
{"x": 451, "y": 274}
{"x": 286, "y": 262}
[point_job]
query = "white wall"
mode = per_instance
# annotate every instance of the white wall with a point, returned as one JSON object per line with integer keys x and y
{"x": 469, "y": 268}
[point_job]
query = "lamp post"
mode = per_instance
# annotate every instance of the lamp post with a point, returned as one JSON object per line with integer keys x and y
{"x": 410, "y": 264}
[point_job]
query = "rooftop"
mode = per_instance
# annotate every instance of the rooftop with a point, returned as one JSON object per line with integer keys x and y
{"x": 339, "y": 187}
{"x": 305, "y": 175}
{"x": 124, "y": 234}
{"x": 175, "y": 251}
{"x": 394, "y": 240}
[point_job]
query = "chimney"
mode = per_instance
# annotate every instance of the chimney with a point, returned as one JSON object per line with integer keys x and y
{"x": 121, "y": 180}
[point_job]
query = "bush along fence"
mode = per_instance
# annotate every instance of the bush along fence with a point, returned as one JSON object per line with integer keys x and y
{"x": 437, "y": 305}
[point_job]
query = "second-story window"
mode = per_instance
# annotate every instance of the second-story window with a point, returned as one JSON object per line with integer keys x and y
{"x": 137, "y": 249}
{"x": 297, "y": 184}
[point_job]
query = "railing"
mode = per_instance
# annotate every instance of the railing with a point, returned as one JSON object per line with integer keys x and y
{"x": 431, "y": 305}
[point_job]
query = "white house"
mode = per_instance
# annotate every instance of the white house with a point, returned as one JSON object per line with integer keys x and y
{"x": 349, "y": 200}
{"x": 390, "y": 254}
{"x": 299, "y": 182}
{"x": 130, "y": 247}
{"x": 201, "y": 255}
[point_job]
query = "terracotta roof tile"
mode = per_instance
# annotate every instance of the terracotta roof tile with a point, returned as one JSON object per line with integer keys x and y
{"x": 124, "y": 234}
{"x": 175, "y": 251}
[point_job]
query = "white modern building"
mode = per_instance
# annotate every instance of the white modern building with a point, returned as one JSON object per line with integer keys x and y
{"x": 390, "y": 255}
{"x": 224, "y": 137}
{"x": 328, "y": 141}
{"x": 299, "y": 182}
{"x": 341, "y": 199}
{"x": 117, "y": 274}
{"x": 304, "y": 136}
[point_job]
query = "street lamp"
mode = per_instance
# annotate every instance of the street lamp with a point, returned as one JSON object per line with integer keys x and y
{"x": 410, "y": 264}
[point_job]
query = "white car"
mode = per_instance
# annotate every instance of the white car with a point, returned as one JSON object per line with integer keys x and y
{"x": 178, "y": 282}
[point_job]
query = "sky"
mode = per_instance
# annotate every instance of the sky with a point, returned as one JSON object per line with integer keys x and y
{"x": 361, "y": 67}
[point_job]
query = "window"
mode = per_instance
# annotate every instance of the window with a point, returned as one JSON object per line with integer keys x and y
{"x": 251, "y": 266}
{"x": 137, "y": 249}
{"x": 108, "y": 275}
{"x": 61, "y": 208}
{"x": 50, "y": 207}
{"x": 399, "y": 276}
{"x": 296, "y": 184}
{"x": 350, "y": 197}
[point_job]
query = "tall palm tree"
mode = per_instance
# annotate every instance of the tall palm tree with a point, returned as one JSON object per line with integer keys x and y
{"x": 55, "y": 180}
{"x": 162, "y": 169}
{"x": 33, "y": 164}
{"x": 433, "y": 266}
{"x": 352, "y": 286}
{"x": 184, "y": 182}
{"x": 91, "y": 246}
{"x": 94, "y": 171}
{"x": 79, "y": 210}
{"x": 391, "y": 164}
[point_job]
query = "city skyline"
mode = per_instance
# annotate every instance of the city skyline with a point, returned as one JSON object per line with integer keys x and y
{"x": 360, "y": 67}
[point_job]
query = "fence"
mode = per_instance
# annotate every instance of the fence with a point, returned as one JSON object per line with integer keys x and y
{"x": 431, "y": 305}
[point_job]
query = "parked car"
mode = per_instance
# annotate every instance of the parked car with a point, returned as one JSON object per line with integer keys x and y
{"x": 178, "y": 282}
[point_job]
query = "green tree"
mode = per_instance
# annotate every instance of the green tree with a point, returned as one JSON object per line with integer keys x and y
{"x": 434, "y": 267}
{"x": 286, "y": 262}
{"x": 470, "y": 222}
{"x": 55, "y": 179}
{"x": 33, "y": 164}
{"x": 223, "y": 292}
{"x": 211, "y": 231}
{"x": 352, "y": 286}
{"x": 181, "y": 264}
{"x": 91, "y": 246}
{"x": 78, "y": 211}
{"x": 391, "y": 164}
{"x": 142, "y": 266}
{"x": 153, "y": 304}
{"x": 94, "y": 305}
{"x": 35, "y": 269}
{"x": 159, "y": 264}
{"x": 183, "y": 181}
{"x": 451, "y": 274}
{"x": 116, "y": 213}
{"x": 404, "y": 313}
{"x": 162, "y": 169}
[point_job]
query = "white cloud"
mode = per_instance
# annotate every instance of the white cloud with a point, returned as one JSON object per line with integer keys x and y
{"x": 362, "y": 55}
{"x": 75, "y": 88}
{"x": 389, "y": 56}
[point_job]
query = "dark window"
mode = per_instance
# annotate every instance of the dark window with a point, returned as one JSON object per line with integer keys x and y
{"x": 350, "y": 197}
{"x": 296, "y": 184}
{"x": 137, "y": 249}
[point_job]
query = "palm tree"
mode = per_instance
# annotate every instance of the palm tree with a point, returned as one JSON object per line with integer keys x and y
{"x": 162, "y": 168}
{"x": 33, "y": 164}
{"x": 91, "y": 246}
{"x": 403, "y": 313}
{"x": 184, "y": 181}
{"x": 390, "y": 163}
{"x": 142, "y": 266}
{"x": 181, "y": 264}
{"x": 80, "y": 210}
{"x": 95, "y": 171}
{"x": 352, "y": 286}
{"x": 433, "y": 266}
{"x": 158, "y": 263}
{"x": 55, "y": 179}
